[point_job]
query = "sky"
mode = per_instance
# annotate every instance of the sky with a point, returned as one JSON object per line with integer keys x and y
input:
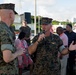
{"x": 60, "y": 10}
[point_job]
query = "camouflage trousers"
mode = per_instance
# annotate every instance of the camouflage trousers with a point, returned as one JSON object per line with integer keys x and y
{"x": 45, "y": 73}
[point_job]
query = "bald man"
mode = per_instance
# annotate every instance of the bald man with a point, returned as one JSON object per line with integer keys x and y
{"x": 8, "y": 52}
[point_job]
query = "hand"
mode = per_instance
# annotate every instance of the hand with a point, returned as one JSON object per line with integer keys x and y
{"x": 72, "y": 47}
{"x": 41, "y": 37}
{"x": 21, "y": 51}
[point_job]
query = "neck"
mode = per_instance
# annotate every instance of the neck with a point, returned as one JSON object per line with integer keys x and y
{"x": 47, "y": 33}
{"x": 70, "y": 31}
{"x": 60, "y": 34}
{"x": 7, "y": 22}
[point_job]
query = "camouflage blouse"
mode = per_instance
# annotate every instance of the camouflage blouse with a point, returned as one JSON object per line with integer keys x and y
{"x": 7, "y": 43}
{"x": 46, "y": 56}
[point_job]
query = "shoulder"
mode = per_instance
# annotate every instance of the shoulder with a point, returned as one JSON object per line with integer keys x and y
{"x": 3, "y": 30}
{"x": 21, "y": 27}
{"x": 28, "y": 28}
{"x": 55, "y": 36}
{"x": 74, "y": 33}
{"x": 35, "y": 38}
{"x": 17, "y": 43}
{"x": 2, "y": 26}
{"x": 66, "y": 32}
{"x": 65, "y": 35}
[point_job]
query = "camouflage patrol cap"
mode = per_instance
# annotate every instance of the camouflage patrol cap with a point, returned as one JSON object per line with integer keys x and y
{"x": 10, "y": 6}
{"x": 50, "y": 20}
{"x": 46, "y": 21}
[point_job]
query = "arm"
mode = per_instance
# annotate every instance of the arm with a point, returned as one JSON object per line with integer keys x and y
{"x": 7, "y": 48}
{"x": 62, "y": 43}
{"x": 32, "y": 48}
{"x": 72, "y": 46}
{"x": 65, "y": 51}
{"x": 9, "y": 56}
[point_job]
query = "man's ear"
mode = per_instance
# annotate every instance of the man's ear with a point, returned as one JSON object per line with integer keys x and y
{"x": 10, "y": 14}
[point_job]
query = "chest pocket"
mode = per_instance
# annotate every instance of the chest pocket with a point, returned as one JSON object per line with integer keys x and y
{"x": 52, "y": 45}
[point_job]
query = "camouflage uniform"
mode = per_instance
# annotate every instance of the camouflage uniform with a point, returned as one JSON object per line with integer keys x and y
{"x": 46, "y": 61}
{"x": 7, "y": 43}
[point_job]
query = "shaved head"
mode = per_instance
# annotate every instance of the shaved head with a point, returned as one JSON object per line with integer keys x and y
{"x": 7, "y": 16}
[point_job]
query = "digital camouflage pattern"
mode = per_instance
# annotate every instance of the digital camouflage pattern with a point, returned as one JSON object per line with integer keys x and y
{"x": 7, "y": 42}
{"x": 46, "y": 56}
{"x": 10, "y": 6}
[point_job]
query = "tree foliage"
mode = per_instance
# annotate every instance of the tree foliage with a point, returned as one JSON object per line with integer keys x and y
{"x": 54, "y": 22}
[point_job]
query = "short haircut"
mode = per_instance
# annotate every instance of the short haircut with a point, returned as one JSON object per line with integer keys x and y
{"x": 70, "y": 25}
{"x": 60, "y": 28}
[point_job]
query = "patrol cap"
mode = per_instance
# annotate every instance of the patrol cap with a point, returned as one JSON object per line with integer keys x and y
{"x": 50, "y": 20}
{"x": 46, "y": 21}
{"x": 10, "y": 6}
